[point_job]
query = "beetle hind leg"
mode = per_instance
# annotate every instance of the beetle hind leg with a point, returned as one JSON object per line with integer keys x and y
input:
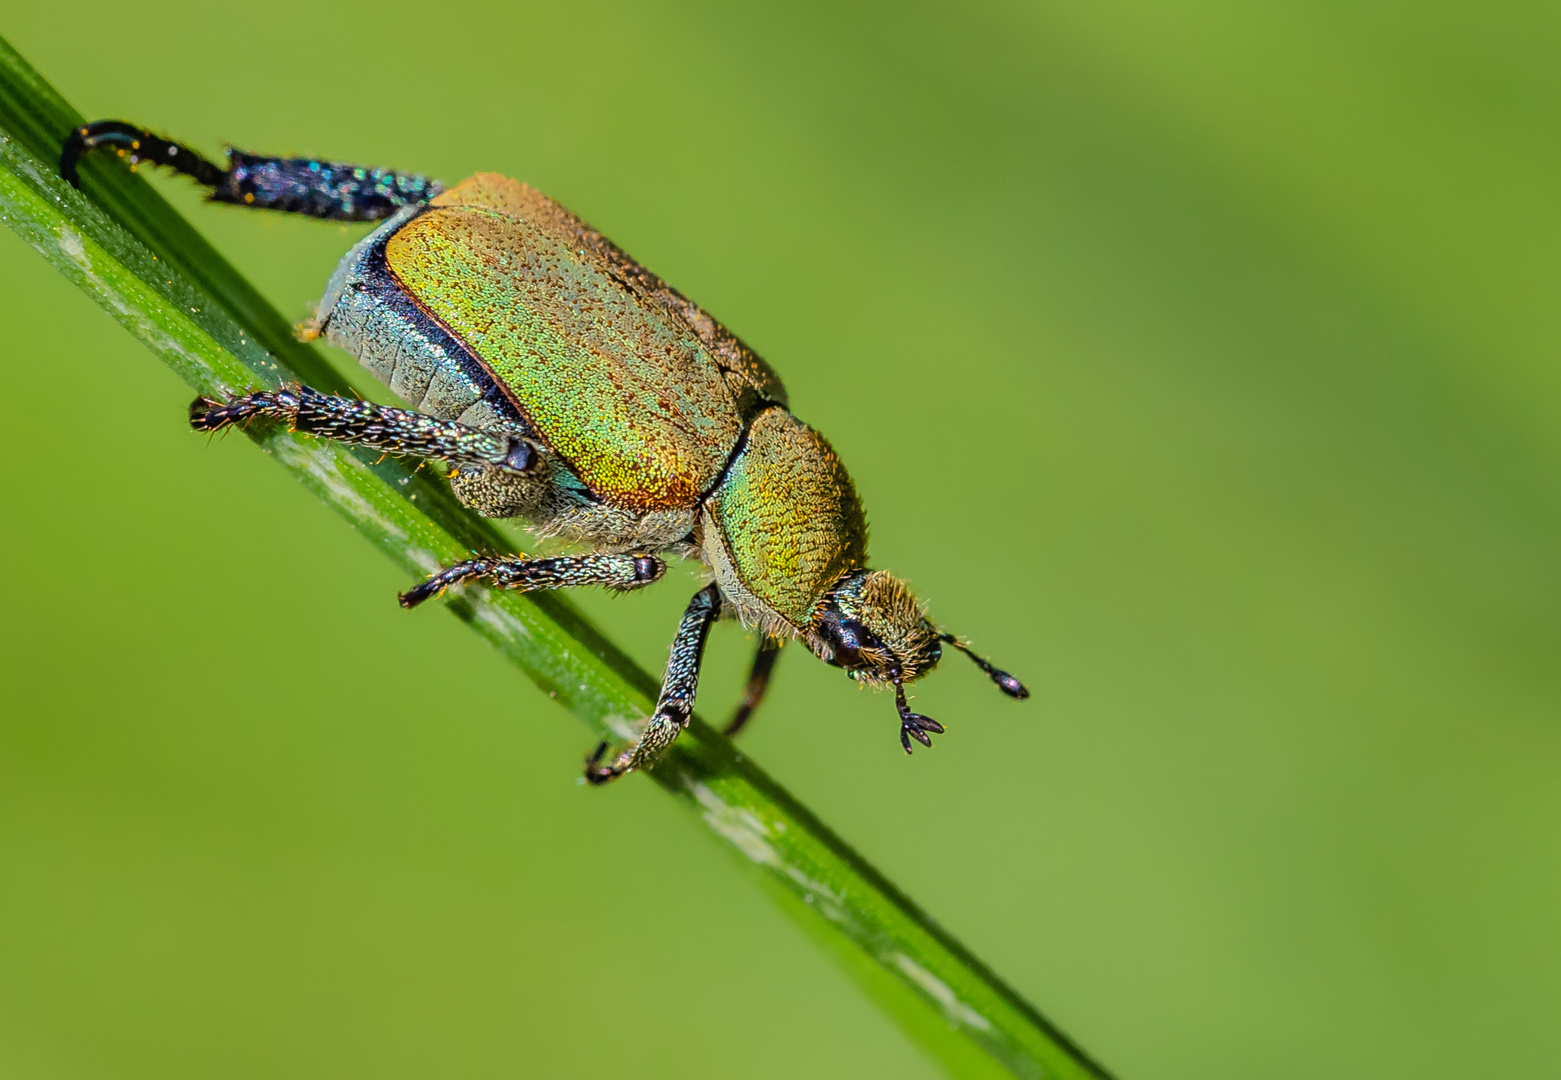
{"x": 675, "y": 703}
{"x": 308, "y": 186}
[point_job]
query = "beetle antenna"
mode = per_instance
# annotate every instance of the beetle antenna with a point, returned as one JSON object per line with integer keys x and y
{"x": 1005, "y": 682}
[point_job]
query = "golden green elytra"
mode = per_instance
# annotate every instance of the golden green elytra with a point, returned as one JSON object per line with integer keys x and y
{"x": 568, "y": 385}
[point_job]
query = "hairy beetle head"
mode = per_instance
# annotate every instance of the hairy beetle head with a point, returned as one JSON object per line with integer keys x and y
{"x": 872, "y": 626}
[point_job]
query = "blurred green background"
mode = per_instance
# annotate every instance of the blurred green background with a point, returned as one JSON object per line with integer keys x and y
{"x": 1197, "y": 360}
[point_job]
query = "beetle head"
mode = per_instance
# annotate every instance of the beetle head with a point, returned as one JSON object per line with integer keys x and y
{"x": 871, "y": 625}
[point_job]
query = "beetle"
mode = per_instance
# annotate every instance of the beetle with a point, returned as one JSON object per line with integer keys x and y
{"x": 566, "y": 384}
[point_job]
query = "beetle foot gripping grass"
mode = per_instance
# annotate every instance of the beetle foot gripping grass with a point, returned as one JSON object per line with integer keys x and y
{"x": 566, "y": 384}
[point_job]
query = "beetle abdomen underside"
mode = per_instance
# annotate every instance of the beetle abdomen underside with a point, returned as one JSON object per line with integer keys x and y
{"x": 367, "y": 313}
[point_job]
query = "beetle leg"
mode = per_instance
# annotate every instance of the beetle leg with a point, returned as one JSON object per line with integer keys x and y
{"x": 758, "y": 682}
{"x": 913, "y": 725}
{"x": 395, "y": 431}
{"x": 322, "y": 189}
{"x": 675, "y": 704}
{"x": 621, "y": 572}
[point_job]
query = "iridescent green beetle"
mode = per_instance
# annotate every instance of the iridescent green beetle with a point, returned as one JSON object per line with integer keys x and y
{"x": 567, "y": 384}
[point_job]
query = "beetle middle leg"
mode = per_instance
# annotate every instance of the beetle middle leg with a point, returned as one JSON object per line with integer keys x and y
{"x": 758, "y": 682}
{"x": 395, "y": 431}
{"x": 308, "y": 186}
{"x": 675, "y": 703}
{"x": 620, "y": 572}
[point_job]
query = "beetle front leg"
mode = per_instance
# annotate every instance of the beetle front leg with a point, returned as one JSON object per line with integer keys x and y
{"x": 675, "y": 704}
{"x": 395, "y": 431}
{"x": 308, "y": 186}
{"x": 758, "y": 682}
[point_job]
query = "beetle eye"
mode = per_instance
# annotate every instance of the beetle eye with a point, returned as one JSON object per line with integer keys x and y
{"x": 847, "y": 638}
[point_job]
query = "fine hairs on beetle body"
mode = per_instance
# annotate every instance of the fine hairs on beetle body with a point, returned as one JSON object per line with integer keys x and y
{"x": 566, "y": 384}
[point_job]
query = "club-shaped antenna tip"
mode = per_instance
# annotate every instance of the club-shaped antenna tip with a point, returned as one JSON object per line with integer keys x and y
{"x": 1010, "y": 685}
